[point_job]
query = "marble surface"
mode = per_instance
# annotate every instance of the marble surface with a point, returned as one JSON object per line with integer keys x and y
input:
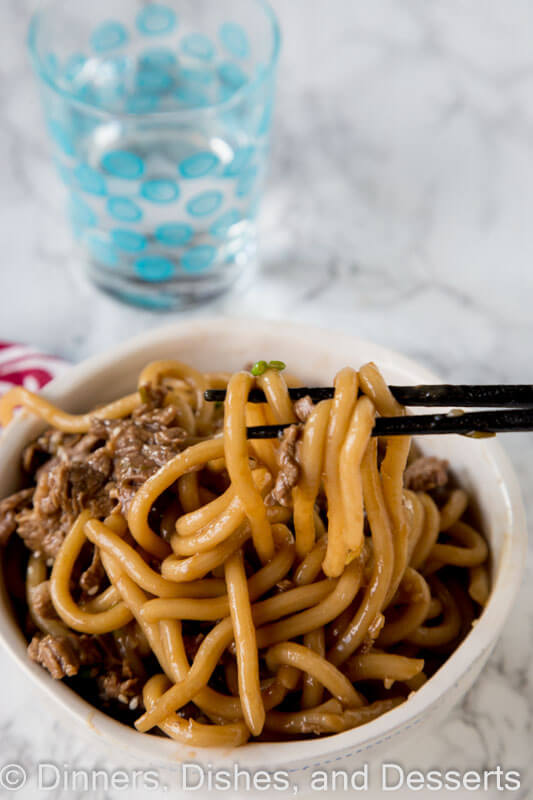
{"x": 398, "y": 207}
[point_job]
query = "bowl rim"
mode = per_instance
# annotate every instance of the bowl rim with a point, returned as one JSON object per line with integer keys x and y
{"x": 471, "y": 651}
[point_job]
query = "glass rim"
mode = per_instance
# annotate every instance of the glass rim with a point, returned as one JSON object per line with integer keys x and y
{"x": 180, "y": 113}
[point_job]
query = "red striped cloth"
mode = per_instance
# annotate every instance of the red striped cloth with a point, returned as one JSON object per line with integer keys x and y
{"x": 21, "y": 365}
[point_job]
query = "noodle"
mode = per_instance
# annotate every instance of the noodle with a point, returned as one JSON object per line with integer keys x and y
{"x": 296, "y": 655}
{"x": 194, "y": 567}
{"x": 263, "y": 449}
{"x": 188, "y": 491}
{"x": 68, "y": 423}
{"x": 472, "y": 551}
{"x": 211, "y": 702}
{"x": 346, "y": 384}
{"x": 305, "y": 492}
{"x": 386, "y": 667}
{"x": 260, "y": 583}
{"x": 352, "y": 452}
{"x": 233, "y": 589}
{"x": 479, "y": 585}
{"x": 157, "y": 370}
{"x": 453, "y": 509}
{"x": 416, "y": 513}
{"x": 135, "y": 566}
{"x": 312, "y": 690}
{"x": 449, "y": 627}
{"x": 236, "y": 455}
{"x": 150, "y": 490}
{"x": 311, "y": 566}
{"x": 414, "y": 614}
{"x": 376, "y": 591}
{"x": 219, "y": 638}
{"x": 324, "y": 612}
{"x": 220, "y": 529}
{"x": 430, "y": 532}
{"x": 246, "y": 645}
{"x": 189, "y": 731}
{"x": 391, "y": 471}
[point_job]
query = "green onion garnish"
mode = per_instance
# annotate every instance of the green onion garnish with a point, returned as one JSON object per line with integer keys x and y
{"x": 259, "y": 368}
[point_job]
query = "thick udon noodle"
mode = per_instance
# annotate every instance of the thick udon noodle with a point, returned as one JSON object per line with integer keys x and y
{"x": 323, "y": 612}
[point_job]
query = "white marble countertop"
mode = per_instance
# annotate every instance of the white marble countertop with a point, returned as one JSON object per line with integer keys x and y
{"x": 399, "y": 208}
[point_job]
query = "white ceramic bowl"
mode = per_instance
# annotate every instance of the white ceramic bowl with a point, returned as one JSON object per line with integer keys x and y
{"x": 314, "y": 355}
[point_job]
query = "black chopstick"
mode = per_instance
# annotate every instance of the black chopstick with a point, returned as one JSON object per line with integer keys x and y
{"x": 471, "y": 424}
{"x": 492, "y": 396}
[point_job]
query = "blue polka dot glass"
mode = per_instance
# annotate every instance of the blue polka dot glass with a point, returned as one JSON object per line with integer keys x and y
{"x": 159, "y": 115}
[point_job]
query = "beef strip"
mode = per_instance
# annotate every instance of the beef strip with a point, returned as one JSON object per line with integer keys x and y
{"x": 73, "y": 479}
{"x": 94, "y": 471}
{"x": 9, "y": 508}
{"x": 56, "y": 505}
{"x": 138, "y": 446}
{"x": 115, "y": 685}
{"x": 426, "y": 473}
{"x": 56, "y": 654}
{"x": 92, "y": 579}
{"x": 303, "y": 408}
{"x": 124, "y": 673}
{"x": 62, "y": 656}
{"x": 42, "y": 533}
{"x": 152, "y": 396}
{"x": 46, "y": 445}
{"x": 42, "y": 601}
{"x": 288, "y": 467}
{"x": 51, "y": 492}
{"x": 88, "y": 476}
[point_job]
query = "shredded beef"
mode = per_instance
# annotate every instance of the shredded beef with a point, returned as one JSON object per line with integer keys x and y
{"x": 152, "y": 396}
{"x": 92, "y": 579}
{"x": 95, "y": 471}
{"x": 303, "y": 408}
{"x": 289, "y": 470}
{"x": 71, "y": 480}
{"x": 89, "y": 649}
{"x": 48, "y": 444}
{"x": 9, "y": 508}
{"x": 116, "y": 685}
{"x": 56, "y": 654}
{"x": 426, "y": 473}
{"x": 88, "y": 476}
{"x": 51, "y": 493}
{"x": 138, "y": 446}
{"x": 63, "y": 656}
{"x": 42, "y": 601}
{"x": 42, "y": 533}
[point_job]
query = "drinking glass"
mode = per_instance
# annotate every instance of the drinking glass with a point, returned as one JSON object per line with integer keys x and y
{"x": 160, "y": 116}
